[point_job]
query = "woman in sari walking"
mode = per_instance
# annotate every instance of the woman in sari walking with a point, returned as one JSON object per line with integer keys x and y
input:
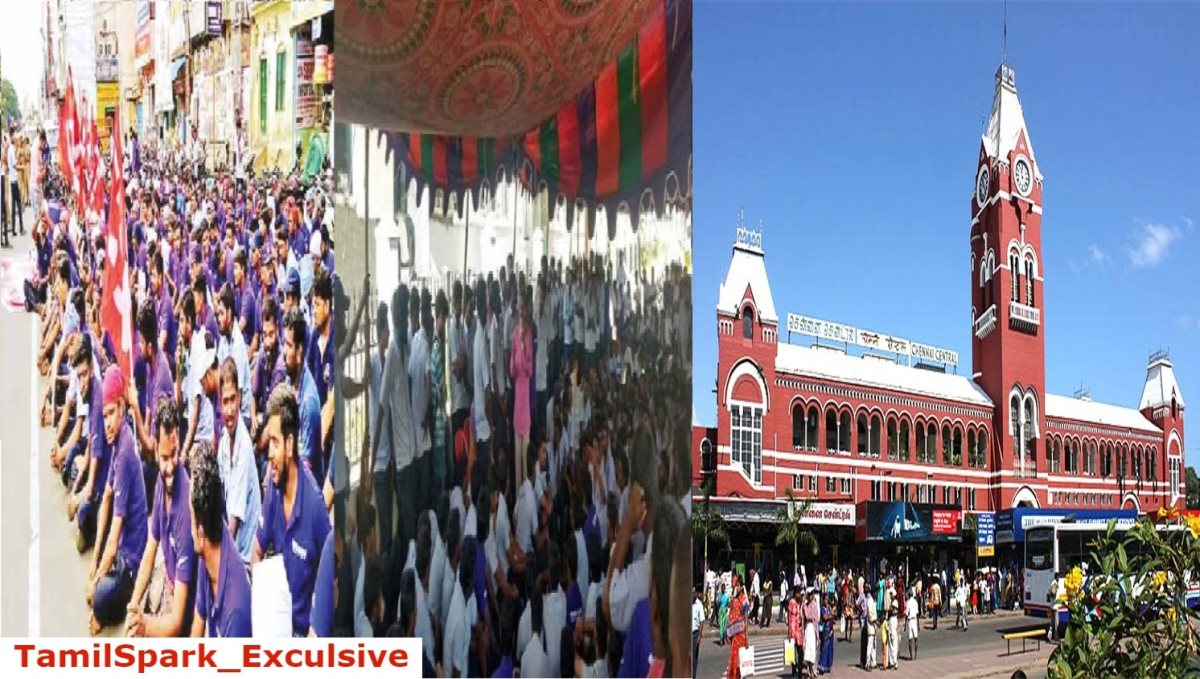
{"x": 795, "y": 631}
{"x": 812, "y": 617}
{"x": 735, "y": 631}
{"x": 825, "y": 660}
{"x": 722, "y": 614}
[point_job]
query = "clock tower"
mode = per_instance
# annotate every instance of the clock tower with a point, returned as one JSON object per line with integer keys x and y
{"x": 1007, "y": 302}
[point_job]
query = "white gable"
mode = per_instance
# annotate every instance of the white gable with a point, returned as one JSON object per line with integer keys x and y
{"x": 1068, "y": 408}
{"x": 1161, "y": 385}
{"x": 747, "y": 268}
{"x": 1007, "y": 121}
{"x": 812, "y": 361}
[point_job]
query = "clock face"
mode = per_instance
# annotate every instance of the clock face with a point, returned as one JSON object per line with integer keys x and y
{"x": 1022, "y": 176}
{"x": 981, "y": 186}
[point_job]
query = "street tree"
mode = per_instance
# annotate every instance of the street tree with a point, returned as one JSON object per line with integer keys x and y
{"x": 789, "y": 518}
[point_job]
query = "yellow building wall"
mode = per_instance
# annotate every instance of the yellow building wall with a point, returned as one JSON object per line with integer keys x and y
{"x": 271, "y": 135}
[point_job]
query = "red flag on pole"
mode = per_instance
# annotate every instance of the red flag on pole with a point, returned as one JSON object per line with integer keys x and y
{"x": 116, "y": 311}
{"x": 66, "y": 140}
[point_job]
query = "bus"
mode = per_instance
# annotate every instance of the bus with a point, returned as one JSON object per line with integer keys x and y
{"x": 1060, "y": 548}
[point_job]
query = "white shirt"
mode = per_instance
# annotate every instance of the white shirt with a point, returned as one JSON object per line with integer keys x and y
{"x": 399, "y": 407}
{"x": 581, "y": 562}
{"x": 534, "y": 661}
{"x": 542, "y": 358}
{"x": 482, "y": 382}
{"x": 456, "y": 638}
{"x": 554, "y": 619}
{"x": 501, "y": 532}
{"x": 424, "y": 628}
{"x": 362, "y": 624}
{"x": 526, "y": 517}
{"x": 384, "y": 454}
{"x": 456, "y": 339}
{"x": 629, "y": 586}
{"x": 437, "y": 567}
{"x": 239, "y": 478}
{"x": 418, "y": 375}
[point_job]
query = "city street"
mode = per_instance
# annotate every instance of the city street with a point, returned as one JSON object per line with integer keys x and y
{"x": 947, "y": 652}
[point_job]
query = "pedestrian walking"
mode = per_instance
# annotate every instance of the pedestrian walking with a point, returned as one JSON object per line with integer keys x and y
{"x": 912, "y": 626}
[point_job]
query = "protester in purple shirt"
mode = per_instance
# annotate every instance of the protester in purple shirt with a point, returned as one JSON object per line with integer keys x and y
{"x": 244, "y": 301}
{"x": 298, "y": 534}
{"x": 116, "y": 562}
{"x": 170, "y": 531}
{"x": 168, "y": 326}
{"x": 222, "y": 582}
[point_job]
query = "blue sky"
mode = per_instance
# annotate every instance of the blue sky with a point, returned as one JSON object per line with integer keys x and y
{"x": 851, "y": 131}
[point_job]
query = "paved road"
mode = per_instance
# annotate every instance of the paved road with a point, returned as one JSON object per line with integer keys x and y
{"x": 42, "y": 575}
{"x": 19, "y": 554}
{"x": 977, "y": 652}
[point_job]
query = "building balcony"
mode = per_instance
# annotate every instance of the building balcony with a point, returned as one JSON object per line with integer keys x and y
{"x": 1024, "y": 317}
{"x": 986, "y": 323}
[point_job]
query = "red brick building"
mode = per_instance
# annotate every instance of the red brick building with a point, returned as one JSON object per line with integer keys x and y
{"x": 859, "y": 415}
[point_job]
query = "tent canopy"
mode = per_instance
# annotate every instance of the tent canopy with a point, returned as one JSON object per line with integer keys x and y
{"x": 487, "y": 69}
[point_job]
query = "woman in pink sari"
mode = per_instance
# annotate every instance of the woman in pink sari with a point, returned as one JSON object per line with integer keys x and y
{"x": 521, "y": 367}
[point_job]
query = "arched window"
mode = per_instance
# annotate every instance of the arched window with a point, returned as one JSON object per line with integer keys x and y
{"x": 798, "y": 425}
{"x": 810, "y": 429}
{"x": 971, "y": 446}
{"x": 1122, "y": 462}
{"x": 1052, "y": 448}
{"x": 947, "y": 445}
{"x": 893, "y": 439}
{"x": 844, "y": 432}
{"x": 920, "y": 441}
{"x": 1014, "y": 270}
{"x": 931, "y": 443}
{"x": 747, "y": 323}
{"x": 1029, "y": 281}
{"x": 873, "y": 449}
{"x": 1106, "y": 461}
{"x": 831, "y": 430}
{"x": 1152, "y": 463}
{"x": 1137, "y": 463}
{"x": 904, "y": 436}
{"x": 1014, "y": 422}
{"x": 862, "y": 434}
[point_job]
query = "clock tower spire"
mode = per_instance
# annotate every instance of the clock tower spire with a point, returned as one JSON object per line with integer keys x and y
{"x": 1008, "y": 348}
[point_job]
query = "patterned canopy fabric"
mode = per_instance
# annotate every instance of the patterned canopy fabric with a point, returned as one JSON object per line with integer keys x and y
{"x": 624, "y": 139}
{"x": 486, "y": 68}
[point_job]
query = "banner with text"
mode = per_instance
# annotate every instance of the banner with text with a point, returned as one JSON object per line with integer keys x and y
{"x": 985, "y": 531}
{"x": 395, "y": 658}
{"x": 848, "y": 334}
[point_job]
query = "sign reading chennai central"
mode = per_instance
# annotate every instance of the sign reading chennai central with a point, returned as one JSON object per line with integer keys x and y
{"x": 837, "y": 332}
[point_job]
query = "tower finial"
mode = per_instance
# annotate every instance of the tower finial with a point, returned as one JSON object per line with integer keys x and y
{"x": 1004, "y": 45}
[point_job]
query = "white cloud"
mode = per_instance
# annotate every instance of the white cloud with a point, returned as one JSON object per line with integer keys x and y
{"x": 1151, "y": 244}
{"x": 1098, "y": 255}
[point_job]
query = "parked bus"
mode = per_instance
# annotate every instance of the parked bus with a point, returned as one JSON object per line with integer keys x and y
{"x": 1060, "y": 548}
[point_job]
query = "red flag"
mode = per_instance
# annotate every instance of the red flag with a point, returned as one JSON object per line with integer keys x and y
{"x": 116, "y": 311}
{"x": 66, "y": 141}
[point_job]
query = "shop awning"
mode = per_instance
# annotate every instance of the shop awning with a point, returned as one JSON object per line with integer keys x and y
{"x": 176, "y": 65}
{"x": 623, "y": 140}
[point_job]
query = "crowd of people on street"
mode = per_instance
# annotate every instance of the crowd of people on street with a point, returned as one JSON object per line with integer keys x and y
{"x": 830, "y": 605}
{"x": 526, "y": 473}
{"x": 212, "y": 452}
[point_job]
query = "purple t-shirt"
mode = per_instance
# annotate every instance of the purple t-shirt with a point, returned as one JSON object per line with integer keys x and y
{"x": 158, "y": 383}
{"x": 166, "y": 320}
{"x": 246, "y": 304}
{"x": 95, "y": 432}
{"x": 299, "y": 538}
{"x": 226, "y": 612}
{"x": 129, "y": 499}
{"x": 172, "y": 529}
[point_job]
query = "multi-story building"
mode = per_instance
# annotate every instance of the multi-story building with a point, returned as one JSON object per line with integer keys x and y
{"x": 861, "y": 416}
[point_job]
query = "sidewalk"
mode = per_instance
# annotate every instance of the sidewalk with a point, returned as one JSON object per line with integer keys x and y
{"x": 777, "y": 629}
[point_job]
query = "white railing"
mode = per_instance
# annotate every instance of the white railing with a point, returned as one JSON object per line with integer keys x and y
{"x": 986, "y": 322}
{"x": 1021, "y": 313}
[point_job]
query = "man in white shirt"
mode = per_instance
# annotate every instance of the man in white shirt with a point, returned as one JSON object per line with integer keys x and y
{"x": 525, "y": 514}
{"x": 911, "y": 609}
{"x": 697, "y": 623}
{"x": 396, "y": 414}
{"x": 380, "y": 437}
{"x": 236, "y": 464}
{"x": 419, "y": 376}
{"x": 232, "y": 344}
{"x": 482, "y": 387}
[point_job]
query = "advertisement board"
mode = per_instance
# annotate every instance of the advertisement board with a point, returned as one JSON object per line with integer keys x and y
{"x": 900, "y": 522}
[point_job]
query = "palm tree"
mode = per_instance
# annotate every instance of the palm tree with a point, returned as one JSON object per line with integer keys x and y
{"x": 707, "y": 523}
{"x": 789, "y": 519}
